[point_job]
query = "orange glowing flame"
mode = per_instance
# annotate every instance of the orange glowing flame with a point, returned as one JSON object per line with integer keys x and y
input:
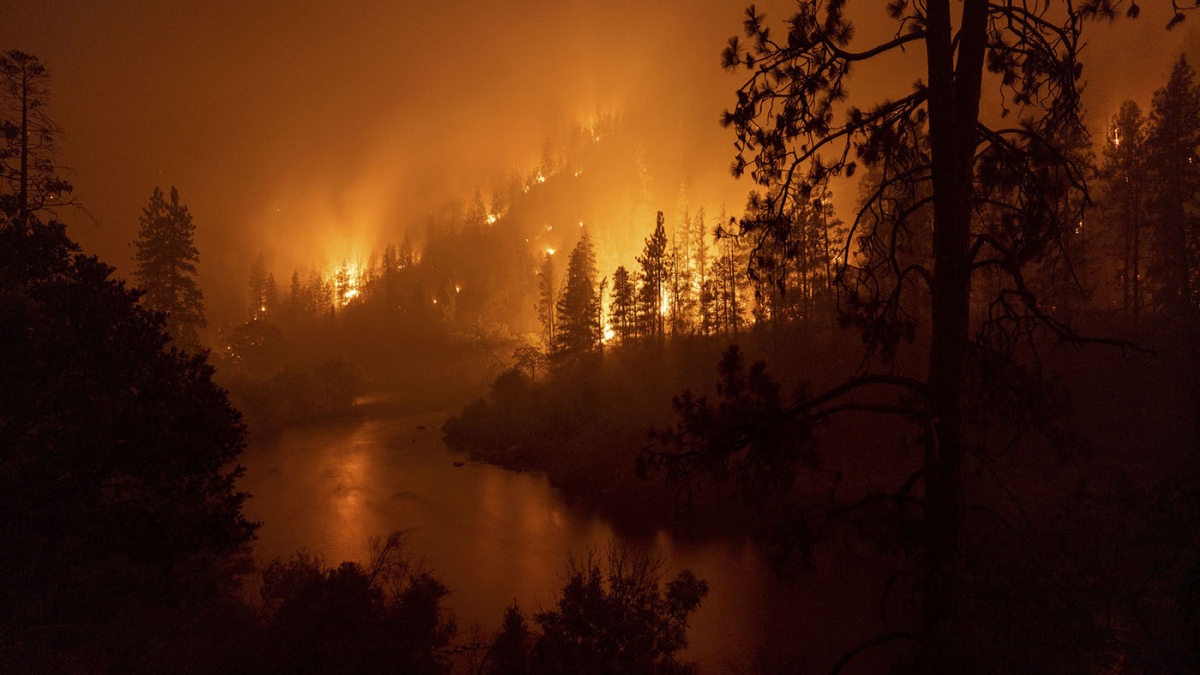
{"x": 348, "y": 279}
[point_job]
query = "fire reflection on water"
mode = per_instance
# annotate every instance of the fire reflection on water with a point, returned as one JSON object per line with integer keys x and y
{"x": 493, "y": 536}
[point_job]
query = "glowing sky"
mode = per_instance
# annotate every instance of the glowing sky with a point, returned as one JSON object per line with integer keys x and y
{"x": 287, "y": 123}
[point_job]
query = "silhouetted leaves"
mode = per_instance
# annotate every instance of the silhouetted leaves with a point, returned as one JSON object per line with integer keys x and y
{"x": 117, "y": 454}
{"x": 615, "y": 619}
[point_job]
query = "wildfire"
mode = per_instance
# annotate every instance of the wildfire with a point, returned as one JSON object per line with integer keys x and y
{"x": 348, "y": 279}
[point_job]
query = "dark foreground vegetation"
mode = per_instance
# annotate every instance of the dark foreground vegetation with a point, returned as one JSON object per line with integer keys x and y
{"x": 586, "y": 424}
{"x": 125, "y": 549}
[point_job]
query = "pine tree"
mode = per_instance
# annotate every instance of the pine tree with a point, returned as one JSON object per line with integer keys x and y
{"x": 578, "y": 306}
{"x": 546, "y": 306}
{"x": 1126, "y": 184}
{"x": 681, "y": 277}
{"x": 1172, "y": 142}
{"x": 118, "y": 475}
{"x": 653, "y": 281}
{"x": 624, "y": 306}
{"x": 795, "y": 127}
{"x": 730, "y": 308}
{"x": 166, "y": 267}
{"x": 296, "y": 304}
{"x": 27, "y": 168}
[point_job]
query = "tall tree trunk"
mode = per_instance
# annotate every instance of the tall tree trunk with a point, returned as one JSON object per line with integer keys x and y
{"x": 954, "y": 91}
{"x": 23, "y": 187}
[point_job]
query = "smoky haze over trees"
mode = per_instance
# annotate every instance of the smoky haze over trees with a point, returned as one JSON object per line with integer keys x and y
{"x": 944, "y": 352}
{"x": 166, "y": 267}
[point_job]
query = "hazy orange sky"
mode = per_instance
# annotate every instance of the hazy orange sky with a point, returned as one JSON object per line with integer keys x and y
{"x": 284, "y": 124}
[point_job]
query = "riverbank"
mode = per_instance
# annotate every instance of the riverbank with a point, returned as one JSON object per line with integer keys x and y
{"x": 493, "y": 536}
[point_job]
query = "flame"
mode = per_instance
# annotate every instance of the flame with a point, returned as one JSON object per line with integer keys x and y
{"x": 665, "y": 307}
{"x": 349, "y": 290}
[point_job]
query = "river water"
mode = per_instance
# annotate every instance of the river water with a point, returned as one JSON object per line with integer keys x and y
{"x": 495, "y": 536}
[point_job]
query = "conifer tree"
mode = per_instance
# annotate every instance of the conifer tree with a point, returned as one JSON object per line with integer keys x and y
{"x": 1172, "y": 143}
{"x": 28, "y": 172}
{"x": 653, "y": 280}
{"x": 578, "y": 305}
{"x": 546, "y": 305}
{"x": 624, "y": 306}
{"x": 1001, "y": 195}
{"x": 166, "y": 267}
{"x": 1126, "y": 184}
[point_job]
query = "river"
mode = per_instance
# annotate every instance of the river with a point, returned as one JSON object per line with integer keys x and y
{"x": 495, "y": 536}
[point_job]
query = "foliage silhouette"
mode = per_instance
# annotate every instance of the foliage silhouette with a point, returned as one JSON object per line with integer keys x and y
{"x": 118, "y": 463}
{"x": 166, "y": 267}
{"x": 617, "y": 619}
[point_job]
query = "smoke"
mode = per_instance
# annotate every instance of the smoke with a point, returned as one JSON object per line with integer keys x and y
{"x": 312, "y": 130}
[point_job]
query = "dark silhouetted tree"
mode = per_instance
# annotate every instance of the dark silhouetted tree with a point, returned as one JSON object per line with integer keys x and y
{"x": 1000, "y": 195}
{"x": 624, "y": 306}
{"x": 616, "y": 617}
{"x": 681, "y": 276}
{"x": 27, "y": 163}
{"x": 729, "y": 278}
{"x": 1172, "y": 144}
{"x": 1126, "y": 190}
{"x": 578, "y": 306}
{"x": 382, "y": 617}
{"x": 652, "y": 283}
{"x": 547, "y": 306}
{"x": 511, "y": 649}
{"x": 166, "y": 267}
{"x": 117, "y": 463}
